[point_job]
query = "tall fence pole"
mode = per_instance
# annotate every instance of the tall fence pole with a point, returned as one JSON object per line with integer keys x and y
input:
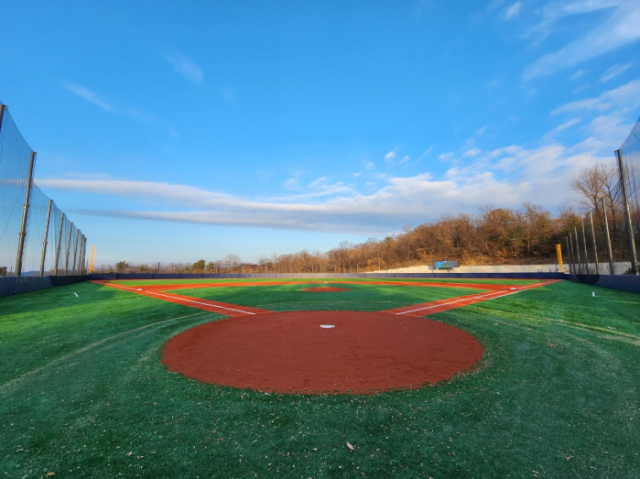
{"x": 606, "y": 232}
{"x": 584, "y": 246}
{"x": 577, "y": 244}
{"x": 593, "y": 242}
{"x": 627, "y": 213}
{"x": 25, "y": 214}
{"x": 45, "y": 240}
{"x": 570, "y": 253}
{"x": 66, "y": 259}
{"x": 75, "y": 251}
{"x": 58, "y": 245}
{"x": 81, "y": 255}
{"x": 2, "y": 107}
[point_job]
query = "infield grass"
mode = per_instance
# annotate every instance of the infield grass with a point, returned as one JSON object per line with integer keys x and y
{"x": 83, "y": 394}
{"x": 360, "y": 297}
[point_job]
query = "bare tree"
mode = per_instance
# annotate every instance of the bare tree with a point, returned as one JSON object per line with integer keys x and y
{"x": 591, "y": 184}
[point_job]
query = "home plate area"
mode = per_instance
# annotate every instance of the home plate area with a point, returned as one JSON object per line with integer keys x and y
{"x": 322, "y": 352}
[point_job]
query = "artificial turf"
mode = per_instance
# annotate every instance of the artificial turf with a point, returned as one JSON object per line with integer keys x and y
{"x": 83, "y": 394}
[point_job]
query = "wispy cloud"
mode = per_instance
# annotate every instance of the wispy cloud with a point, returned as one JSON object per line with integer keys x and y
{"x": 390, "y": 156}
{"x": 89, "y": 96}
{"x": 513, "y": 11}
{"x": 577, "y": 74}
{"x": 508, "y": 177}
{"x": 472, "y": 152}
{"x": 614, "y": 71}
{"x": 184, "y": 65}
{"x": 619, "y": 30}
{"x": 128, "y": 111}
{"x": 426, "y": 153}
{"x": 624, "y": 98}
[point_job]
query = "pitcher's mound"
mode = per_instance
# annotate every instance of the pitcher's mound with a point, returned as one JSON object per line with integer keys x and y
{"x": 296, "y": 352}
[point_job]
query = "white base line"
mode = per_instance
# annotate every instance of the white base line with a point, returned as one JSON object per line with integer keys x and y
{"x": 188, "y": 300}
{"x": 198, "y": 302}
{"x": 457, "y": 301}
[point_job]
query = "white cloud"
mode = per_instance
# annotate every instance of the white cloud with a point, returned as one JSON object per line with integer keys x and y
{"x": 184, "y": 65}
{"x": 619, "y": 30}
{"x": 338, "y": 207}
{"x": 426, "y": 153}
{"x": 292, "y": 184}
{"x": 623, "y": 98}
{"x": 390, "y": 156}
{"x": 471, "y": 153}
{"x": 565, "y": 126}
{"x": 446, "y": 156}
{"x": 577, "y": 74}
{"x": 513, "y": 11}
{"x": 89, "y": 96}
{"x": 614, "y": 71}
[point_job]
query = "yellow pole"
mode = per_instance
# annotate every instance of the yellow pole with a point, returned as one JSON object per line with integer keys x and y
{"x": 559, "y": 253}
{"x": 93, "y": 253}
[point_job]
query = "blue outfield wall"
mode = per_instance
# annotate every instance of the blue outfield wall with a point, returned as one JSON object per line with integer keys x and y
{"x": 620, "y": 282}
{"x": 24, "y": 284}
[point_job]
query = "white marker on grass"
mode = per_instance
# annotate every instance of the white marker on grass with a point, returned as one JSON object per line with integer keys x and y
{"x": 76, "y": 294}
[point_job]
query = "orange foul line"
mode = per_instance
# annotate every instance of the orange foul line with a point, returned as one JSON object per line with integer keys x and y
{"x": 453, "y": 303}
{"x": 219, "y": 307}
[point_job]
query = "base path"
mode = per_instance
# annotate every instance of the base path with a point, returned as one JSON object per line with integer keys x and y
{"x": 322, "y": 352}
{"x": 433, "y": 307}
{"x": 227, "y": 309}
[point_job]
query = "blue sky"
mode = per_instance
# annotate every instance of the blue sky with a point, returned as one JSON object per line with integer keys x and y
{"x": 174, "y": 131}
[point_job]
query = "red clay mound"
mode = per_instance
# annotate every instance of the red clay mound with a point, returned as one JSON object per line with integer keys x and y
{"x": 325, "y": 289}
{"x": 322, "y": 352}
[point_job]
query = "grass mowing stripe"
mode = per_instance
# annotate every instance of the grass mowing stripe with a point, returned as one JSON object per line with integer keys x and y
{"x": 57, "y": 362}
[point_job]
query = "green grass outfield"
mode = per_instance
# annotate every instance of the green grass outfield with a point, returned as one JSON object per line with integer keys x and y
{"x": 83, "y": 393}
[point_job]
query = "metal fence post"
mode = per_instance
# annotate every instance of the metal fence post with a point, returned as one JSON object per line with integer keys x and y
{"x": 75, "y": 251}
{"x": 82, "y": 255}
{"x": 606, "y": 231}
{"x": 25, "y": 214}
{"x": 627, "y": 213}
{"x": 66, "y": 259}
{"x": 577, "y": 251}
{"x": 2, "y": 107}
{"x": 570, "y": 254}
{"x": 584, "y": 246}
{"x": 593, "y": 242}
{"x": 45, "y": 240}
{"x": 58, "y": 245}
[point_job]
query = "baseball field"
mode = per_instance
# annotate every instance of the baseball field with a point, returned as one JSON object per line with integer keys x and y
{"x": 320, "y": 379}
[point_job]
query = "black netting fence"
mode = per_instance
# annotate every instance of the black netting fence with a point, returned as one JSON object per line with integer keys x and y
{"x": 36, "y": 238}
{"x": 607, "y": 239}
